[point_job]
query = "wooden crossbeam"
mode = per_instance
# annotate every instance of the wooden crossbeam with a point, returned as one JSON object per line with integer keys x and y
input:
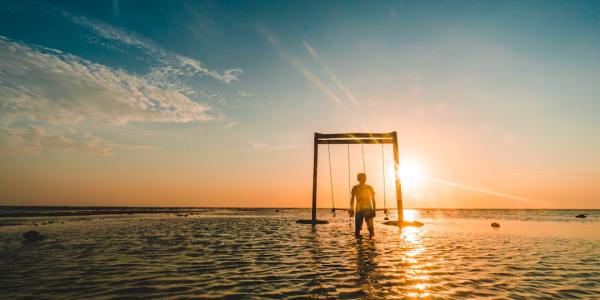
{"x": 389, "y": 135}
{"x": 355, "y": 141}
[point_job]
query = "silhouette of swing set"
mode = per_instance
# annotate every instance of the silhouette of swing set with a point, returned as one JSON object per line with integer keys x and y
{"x": 357, "y": 138}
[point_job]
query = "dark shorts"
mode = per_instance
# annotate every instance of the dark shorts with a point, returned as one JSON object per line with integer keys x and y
{"x": 365, "y": 215}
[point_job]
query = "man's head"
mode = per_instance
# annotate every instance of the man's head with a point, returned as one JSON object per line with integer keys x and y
{"x": 361, "y": 177}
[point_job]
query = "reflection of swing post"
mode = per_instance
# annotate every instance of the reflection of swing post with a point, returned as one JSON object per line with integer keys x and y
{"x": 356, "y": 138}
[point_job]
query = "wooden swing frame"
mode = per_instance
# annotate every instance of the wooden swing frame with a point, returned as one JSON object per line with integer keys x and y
{"x": 357, "y": 138}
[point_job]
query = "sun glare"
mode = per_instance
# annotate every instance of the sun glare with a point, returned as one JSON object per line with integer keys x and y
{"x": 412, "y": 173}
{"x": 410, "y": 215}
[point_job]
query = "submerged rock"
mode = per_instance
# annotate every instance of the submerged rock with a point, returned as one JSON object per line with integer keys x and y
{"x": 495, "y": 225}
{"x": 33, "y": 236}
{"x": 581, "y": 216}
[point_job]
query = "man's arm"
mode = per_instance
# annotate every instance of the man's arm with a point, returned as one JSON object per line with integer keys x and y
{"x": 373, "y": 200}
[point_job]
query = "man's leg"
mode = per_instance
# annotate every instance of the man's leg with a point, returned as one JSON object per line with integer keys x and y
{"x": 369, "y": 222}
{"x": 358, "y": 220}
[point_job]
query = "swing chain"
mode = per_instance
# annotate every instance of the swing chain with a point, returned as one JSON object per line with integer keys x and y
{"x": 349, "y": 183}
{"x": 385, "y": 210}
{"x": 331, "y": 181}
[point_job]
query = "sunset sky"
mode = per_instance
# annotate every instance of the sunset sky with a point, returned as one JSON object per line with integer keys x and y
{"x": 202, "y": 103}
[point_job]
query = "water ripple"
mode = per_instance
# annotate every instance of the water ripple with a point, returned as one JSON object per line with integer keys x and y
{"x": 257, "y": 255}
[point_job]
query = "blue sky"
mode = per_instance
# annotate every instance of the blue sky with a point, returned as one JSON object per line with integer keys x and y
{"x": 190, "y": 96}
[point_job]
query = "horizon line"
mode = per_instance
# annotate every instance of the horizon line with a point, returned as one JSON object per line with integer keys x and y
{"x": 273, "y": 207}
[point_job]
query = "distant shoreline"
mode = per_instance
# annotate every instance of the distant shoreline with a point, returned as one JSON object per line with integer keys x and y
{"x": 8, "y": 211}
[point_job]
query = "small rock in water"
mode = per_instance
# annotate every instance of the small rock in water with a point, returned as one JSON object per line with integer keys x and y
{"x": 581, "y": 216}
{"x": 32, "y": 236}
{"x": 495, "y": 225}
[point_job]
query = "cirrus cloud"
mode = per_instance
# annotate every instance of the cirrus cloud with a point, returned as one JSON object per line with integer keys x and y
{"x": 165, "y": 63}
{"x": 47, "y": 85}
{"x": 45, "y": 91}
{"x": 53, "y": 99}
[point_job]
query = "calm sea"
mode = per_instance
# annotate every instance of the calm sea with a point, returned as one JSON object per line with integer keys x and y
{"x": 263, "y": 253}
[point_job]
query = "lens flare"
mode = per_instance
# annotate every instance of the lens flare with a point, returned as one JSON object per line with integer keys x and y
{"x": 412, "y": 173}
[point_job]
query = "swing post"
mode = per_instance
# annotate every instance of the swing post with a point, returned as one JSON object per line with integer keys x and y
{"x": 397, "y": 178}
{"x": 356, "y": 138}
{"x": 314, "y": 185}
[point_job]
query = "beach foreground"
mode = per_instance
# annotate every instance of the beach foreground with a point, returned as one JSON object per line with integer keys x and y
{"x": 263, "y": 253}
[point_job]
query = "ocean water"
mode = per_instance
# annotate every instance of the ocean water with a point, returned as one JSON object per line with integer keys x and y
{"x": 263, "y": 253}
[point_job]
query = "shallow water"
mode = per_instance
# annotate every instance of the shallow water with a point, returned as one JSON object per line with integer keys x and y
{"x": 229, "y": 253}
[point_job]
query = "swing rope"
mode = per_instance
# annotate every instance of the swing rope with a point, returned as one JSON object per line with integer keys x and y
{"x": 383, "y": 175}
{"x": 331, "y": 181}
{"x": 385, "y": 210}
{"x": 349, "y": 184}
{"x": 362, "y": 148}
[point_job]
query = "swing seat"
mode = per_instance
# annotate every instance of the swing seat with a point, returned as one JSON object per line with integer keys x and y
{"x": 318, "y": 222}
{"x": 405, "y": 223}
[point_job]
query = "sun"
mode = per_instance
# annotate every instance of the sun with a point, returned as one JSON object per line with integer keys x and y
{"x": 412, "y": 173}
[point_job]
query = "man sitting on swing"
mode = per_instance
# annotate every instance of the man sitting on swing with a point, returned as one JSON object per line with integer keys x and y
{"x": 365, "y": 204}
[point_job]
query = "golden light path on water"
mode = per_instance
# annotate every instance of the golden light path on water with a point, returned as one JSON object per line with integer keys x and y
{"x": 415, "y": 272}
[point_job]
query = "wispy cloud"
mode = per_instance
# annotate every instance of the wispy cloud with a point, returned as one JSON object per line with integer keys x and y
{"x": 560, "y": 173}
{"x": 244, "y": 94}
{"x": 168, "y": 64}
{"x": 330, "y": 73}
{"x": 45, "y": 93}
{"x": 489, "y": 192}
{"x": 268, "y": 147}
{"x": 46, "y": 87}
{"x": 298, "y": 65}
{"x": 310, "y": 49}
{"x": 32, "y": 139}
{"x": 42, "y": 84}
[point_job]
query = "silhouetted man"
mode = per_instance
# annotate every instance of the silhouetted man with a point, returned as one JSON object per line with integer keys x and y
{"x": 365, "y": 204}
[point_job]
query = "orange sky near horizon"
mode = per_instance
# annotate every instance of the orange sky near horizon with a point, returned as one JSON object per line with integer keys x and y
{"x": 256, "y": 182}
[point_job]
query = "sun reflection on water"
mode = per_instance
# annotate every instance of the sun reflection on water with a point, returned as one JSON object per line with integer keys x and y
{"x": 416, "y": 263}
{"x": 410, "y": 214}
{"x": 410, "y": 234}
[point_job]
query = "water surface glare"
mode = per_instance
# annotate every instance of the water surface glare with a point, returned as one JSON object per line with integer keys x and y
{"x": 229, "y": 253}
